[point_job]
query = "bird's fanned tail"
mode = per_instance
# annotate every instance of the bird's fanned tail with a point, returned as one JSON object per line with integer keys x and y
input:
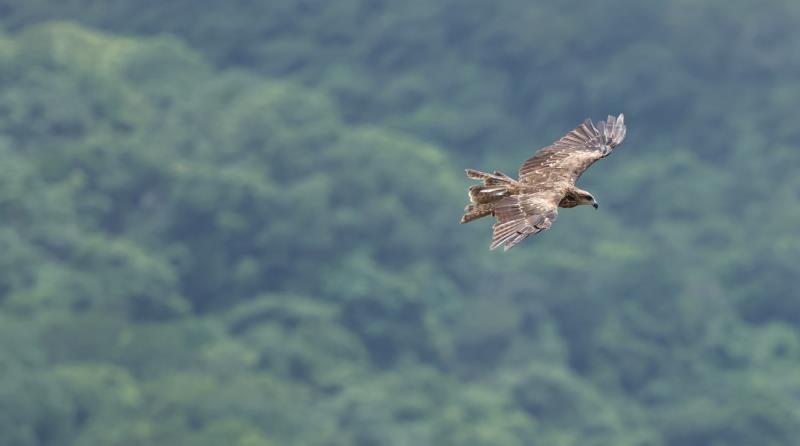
{"x": 483, "y": 197}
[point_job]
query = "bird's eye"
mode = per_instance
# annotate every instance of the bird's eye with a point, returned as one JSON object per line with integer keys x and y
{"x": 588, "y": 197}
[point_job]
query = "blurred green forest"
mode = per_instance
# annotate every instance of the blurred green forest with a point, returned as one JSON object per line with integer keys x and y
{"x": 236, "y": 223}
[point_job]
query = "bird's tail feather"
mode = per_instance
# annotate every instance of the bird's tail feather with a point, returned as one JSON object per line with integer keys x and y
{"x": 491, "y": 178}
{"x": 482, "y": 197}
{"x": 476, "y": 211}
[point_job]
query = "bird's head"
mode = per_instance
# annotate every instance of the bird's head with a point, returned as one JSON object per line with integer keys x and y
{"x": 583, "y": 197}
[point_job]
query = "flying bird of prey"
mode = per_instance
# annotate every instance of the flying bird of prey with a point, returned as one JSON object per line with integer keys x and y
{"x": 546, "y": 182}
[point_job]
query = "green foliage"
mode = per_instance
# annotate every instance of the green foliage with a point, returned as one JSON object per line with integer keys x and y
{"x": 242, "y": 229}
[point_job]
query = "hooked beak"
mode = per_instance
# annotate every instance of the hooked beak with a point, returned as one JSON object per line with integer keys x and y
{"x": 595, "y": 205}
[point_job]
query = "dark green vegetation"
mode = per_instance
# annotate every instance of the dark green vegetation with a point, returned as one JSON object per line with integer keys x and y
{"x": 236, "y": 224}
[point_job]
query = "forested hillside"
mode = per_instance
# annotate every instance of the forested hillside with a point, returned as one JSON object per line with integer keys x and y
{"x": 236, "y": 223}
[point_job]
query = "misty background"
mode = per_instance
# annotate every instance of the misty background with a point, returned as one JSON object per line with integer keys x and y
{"x": 236, "y": 223}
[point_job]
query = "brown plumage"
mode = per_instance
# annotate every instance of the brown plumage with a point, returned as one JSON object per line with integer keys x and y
{"x": 529, "y": 205}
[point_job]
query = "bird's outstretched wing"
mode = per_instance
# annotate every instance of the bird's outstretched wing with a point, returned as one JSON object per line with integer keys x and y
{"x": 566, "y": 159}
{"x": 520, "y": 216}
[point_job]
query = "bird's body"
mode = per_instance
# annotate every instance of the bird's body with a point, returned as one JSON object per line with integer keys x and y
{"x": 529, "y": 205}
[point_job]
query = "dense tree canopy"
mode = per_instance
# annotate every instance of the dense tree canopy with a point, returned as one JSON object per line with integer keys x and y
{"x": 237, "y": 224}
